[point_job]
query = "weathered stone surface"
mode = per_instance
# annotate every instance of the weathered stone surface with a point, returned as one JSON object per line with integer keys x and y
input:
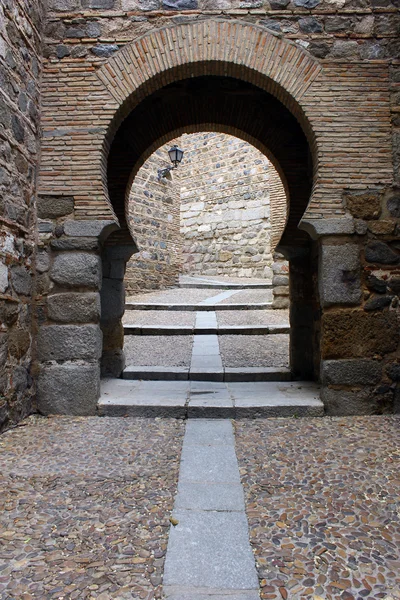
{"x": 77, "y": 269}
{"x": 88, "y": 228}
{"x": 339, "y": 275}
{"x": 351, "y": 372}
{"x": 18, "y": 342}
{"x": 280, "y": 280}
{"x": 380, "y": 252}
{"x": 383, "y": 227}
{"x": 393, "y": 371}
{"x": 319, "y": 49}
{"x": 355, "y": 333}
{"x": 378, "y": 303}
{"x": 112, "y": 363}
{"x": 101, "y": 4}
{"x": 68, "y": 389}
{"x": 78, "y": 243}
{"x": 331, "y": 226}
{"x": 21, "y": 280}
{"x": 393, "y": 205}
{"x": 394, "y": 284}
{"x": 179, "y": 4}
{"x": 364, "y": 205}
{"x": 376, "y": 284}
{"x": 69, "y": 342}
{"x": 350, "y": 402}
{"x": 104, "y": 50}
{"x": 62, "y": 50}
{"x": 51, "y": 207}
{"x": 42, "y": 261}
{"x": 307, "y": 3}
{"x": 3, "y": 278}
{"x": 73, "y": 307}
{"x": 310, "y": 25}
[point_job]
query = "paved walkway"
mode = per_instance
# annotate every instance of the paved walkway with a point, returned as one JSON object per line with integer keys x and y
{"x": 85, "y": 506}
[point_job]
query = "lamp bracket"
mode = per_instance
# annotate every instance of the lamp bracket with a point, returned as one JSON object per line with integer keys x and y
{"x": 164, "y": 171}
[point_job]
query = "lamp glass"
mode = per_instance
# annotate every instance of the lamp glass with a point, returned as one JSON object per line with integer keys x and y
{"x": 175, "y": 155}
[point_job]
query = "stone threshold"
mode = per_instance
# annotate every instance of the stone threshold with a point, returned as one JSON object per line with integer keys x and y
{"x": 227, "y": 374}
{"x": 199, "y": 399}
{"x": 197, "y": 307}
{"x": 212, "y": 330}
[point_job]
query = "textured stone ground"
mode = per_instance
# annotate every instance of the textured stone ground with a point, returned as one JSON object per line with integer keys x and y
{"x": 158, "y": 350}
{"x": 249, "y": 296}
{"x": 253, "y": 317}
{"x": 254, "y": 350}
{"x": 84, "y": 507}
{"x": 322, "y": 500}
{"x": 175, "y": 295}
{"x": 159, "y": 317}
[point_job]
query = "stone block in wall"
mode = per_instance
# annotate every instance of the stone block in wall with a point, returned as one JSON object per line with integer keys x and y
{"x": 381, "y": 253}
{"x": 77, "y": 269}
{"x": 351, "y": 333}
{"x": 93, "y": 228}
{"x": 52, "y": 207}
{"x": 21, "y": 280}
{"x": 339, "y": 274}
{"x": 363, "y": 205}
{"x": 73, "y": 307}
{"x": 3, "y": 278}
{"x": 349, "y": 402}
{"x": 351, "y": 372}
{"x": 69, "y": 342}
{"x": 68, "y": 389}
{"x": 78, "y": 243}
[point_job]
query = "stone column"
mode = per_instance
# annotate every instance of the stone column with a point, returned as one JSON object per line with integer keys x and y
{"x": 114, "y": 260}
{"x": 69, "y": 341}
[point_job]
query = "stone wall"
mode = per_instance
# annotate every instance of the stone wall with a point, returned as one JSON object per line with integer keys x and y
{"x": 154, "y": 223}
{"x": 225, "y": 207}
{"x": 20, "y": 65}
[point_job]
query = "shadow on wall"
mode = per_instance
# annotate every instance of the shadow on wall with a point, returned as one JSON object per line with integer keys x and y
{"x": 222, "y": 213}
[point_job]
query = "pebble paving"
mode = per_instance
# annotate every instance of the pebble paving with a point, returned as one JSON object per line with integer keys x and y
{"x": 159, "y": 317}
{"x": 253, "y": 317}
{"x": 322, "y": 499}
{"x": 84, "y": 507}
{"x": 158, "y": 350}
{"x": 254, "y": 350}
{"x": 249, "y": 296}
{"x": 175, "y": 295}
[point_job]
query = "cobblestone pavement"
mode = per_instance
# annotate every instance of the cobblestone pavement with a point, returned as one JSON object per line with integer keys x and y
{"x": 254, "y": 350}
{"x": 322, "y": 500}
{"x": 84, "y": 507}
{"x": 158, "y": 350}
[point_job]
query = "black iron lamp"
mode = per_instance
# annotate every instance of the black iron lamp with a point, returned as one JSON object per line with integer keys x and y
{"x": 175, "y": 155}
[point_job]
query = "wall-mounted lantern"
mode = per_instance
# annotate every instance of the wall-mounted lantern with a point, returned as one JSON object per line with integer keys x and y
{"x": 175, "y": 155}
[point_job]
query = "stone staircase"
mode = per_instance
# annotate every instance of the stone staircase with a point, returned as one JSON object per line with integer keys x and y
{"x": 206, "y": 387}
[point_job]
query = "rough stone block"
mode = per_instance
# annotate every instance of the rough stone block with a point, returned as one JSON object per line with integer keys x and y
{"x": 72, "y": 307}
{"x": 68, "y": 389}
{"x": 21, "y": 280}
{"x": 364, "y": 205}
{"x": 3, "y": 278}
{"x": 112, "y": 363}
{"x": 349, "y": 402}
{"x": 77, "y": 269}
{"x": 380, "y": 252}
{"x": 339, "y": 275}
{"x": 351, "y": 372}
{"x": 18, "y": 342}
{"x": 355, "y": 333}
{"x": 87, "y": 228}
{"x": 42, "y": 261}
{"x": 69, "y": 342}
{"x": 79, "y": 243}
{"x": 51, "y": 207}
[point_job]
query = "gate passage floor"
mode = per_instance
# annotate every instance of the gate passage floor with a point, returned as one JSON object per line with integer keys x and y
{"x": 85, "y": 506}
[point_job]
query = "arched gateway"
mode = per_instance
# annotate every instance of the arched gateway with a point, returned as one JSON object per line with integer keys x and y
{"x": 313, "y": 123}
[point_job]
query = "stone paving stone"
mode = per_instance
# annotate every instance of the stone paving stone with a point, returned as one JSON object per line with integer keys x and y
{"x": 159, "y": 317}
{"x": 206, "y": 319}
{"x": 322, "y": 498}
{"x": 211, "y": 550}
{"x": 84, "y": 507}
{"x": 203, "y": 496}
{"x": 253, "y": 317}
{"x": 247, "y": 296}
{"x": 219, "y": 297}
{"x": 209, "y": 463}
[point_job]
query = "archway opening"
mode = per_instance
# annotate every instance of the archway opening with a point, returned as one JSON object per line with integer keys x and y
{"x": 237, "y": 107}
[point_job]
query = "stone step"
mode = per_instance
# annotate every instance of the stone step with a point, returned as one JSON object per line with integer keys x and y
{"x": 196, "y": 373}
{"x": 197, "y": 307}
{"x": 200, "y": 399}
{"x": 196, "y": 330}
{"x": 226, "y": 286}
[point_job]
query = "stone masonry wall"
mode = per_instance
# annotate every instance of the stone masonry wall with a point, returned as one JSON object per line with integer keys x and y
{"x": 21, "y": 23}
{"x": 154, "y": 223}
{"x": 225, "y": 207}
